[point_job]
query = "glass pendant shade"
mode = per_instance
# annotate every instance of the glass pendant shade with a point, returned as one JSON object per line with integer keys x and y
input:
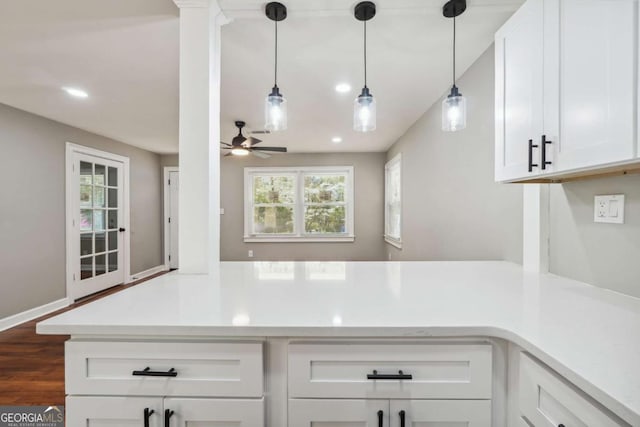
{"x": 275, "y": 111}
{"x": 454, "y": 111}
{"x": 364, "y": 112}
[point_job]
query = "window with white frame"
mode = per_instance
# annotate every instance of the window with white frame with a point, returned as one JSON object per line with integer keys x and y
{"x": 298, "y": 204}
{"x": 393, "y": 201}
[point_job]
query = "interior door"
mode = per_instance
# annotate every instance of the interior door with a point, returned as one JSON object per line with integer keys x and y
{"x": 98, "y": 220}
{"x": 174, "y": 188}
{"x": 519, "y": 89}
{"x": 590, "y": 64}
{"x": 436, "y": 413}
{"x": 338, "y": 413}
{"x": 213, "y": 412}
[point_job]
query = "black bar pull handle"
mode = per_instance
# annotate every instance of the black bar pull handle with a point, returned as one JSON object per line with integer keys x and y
{"x": 147, "y": 414}
{"x": 402, "y": 415}
{"x": 399, "y": 376}
{"x": 543, "y": 152}
{"x": 380, "y": 418}
{"x": 531, "y": 147}
{"x": 147, "y": 372}
{"x": 167, "y": 417}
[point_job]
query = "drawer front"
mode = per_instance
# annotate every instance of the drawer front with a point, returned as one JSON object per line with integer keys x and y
{"x": 199, "y": 369}
{"x": 343, "y": 370}
{"x": 546, "y": 400}
{"x": 90, "y": 411}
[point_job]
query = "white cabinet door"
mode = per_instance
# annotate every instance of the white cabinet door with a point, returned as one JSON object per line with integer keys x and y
{"x": 99, "y": 411}
{"x": 435, "y": 413}
{"x": 545, "y": 400}
{"x": 338, "y": 413}
{"x": 590, "y": 50}
{"x": 519, "y": 92}
{"x": 213, "y": 412}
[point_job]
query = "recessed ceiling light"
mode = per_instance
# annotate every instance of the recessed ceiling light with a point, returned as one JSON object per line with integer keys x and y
{"x": 336, "y": 140}
{"x": 78, "y": 93}
{"x": 343, "y": 88}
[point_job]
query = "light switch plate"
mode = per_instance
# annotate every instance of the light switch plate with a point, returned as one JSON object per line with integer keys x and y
{"x": 609, "y": 209}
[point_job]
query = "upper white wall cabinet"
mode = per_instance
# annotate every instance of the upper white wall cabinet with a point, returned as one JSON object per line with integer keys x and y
{"x": 566, "y": 81}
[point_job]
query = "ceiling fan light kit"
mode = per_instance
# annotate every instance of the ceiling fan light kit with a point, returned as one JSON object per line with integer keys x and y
{"x": 275, "y": 110}
{"x": 454, "y": 106}
{"x": 364, "y": 106}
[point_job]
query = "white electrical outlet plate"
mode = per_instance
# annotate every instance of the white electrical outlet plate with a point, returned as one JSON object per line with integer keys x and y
{"x": 250, "y": 254}
{"x": 609, "y": 209}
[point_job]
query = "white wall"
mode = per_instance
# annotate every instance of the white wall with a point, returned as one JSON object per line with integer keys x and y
{"x": 369, "y": 203}
{"x": 452, "y": 209}
{"x": 32, "y": 209}
{"x": 606, "y": 255}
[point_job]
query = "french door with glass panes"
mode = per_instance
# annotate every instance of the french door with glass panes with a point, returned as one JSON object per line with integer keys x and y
{"x": 98, "y": 226}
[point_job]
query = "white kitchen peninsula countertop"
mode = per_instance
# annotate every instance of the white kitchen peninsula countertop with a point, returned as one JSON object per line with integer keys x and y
{"x": 589, "y": 335}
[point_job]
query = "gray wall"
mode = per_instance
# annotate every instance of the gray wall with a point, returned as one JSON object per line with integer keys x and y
{"x": 452, "y": 209}
{"x": 32, "y": 219}
{"x": 369, "y": 203}
{"x": 606, "y": 255}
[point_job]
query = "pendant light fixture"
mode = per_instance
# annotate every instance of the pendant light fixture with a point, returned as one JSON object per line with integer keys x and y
{"x": 275, "y": 111}
{"x": 454, "y": 106}
{"x": 364, "y": 108}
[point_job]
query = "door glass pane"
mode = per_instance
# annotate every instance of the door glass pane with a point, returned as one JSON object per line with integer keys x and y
{"x": 86, "y": 268}
{"x": 85, "y": 196}
{"x": 113, "y": 261}
{"x": 86, "y": 172}
{"x": 101, "y": 267}
{"x": 113, "y": 219}
{"x": 113, "y": 198}
{"x": 98, "y": 220}
{"x": 86, "y": 244}
{"x": 98, "y": 197}
{"x": 113, "y": 240}
{"x": 273, "y": 220}
{"x": 101, "y": 242}
{"x": 113, "y": 177}
{"x": 86, "y": 220}
{"x": 100, "y": 175}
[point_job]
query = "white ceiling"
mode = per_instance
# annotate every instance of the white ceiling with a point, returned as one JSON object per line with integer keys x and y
{"x": 125, "y": 54}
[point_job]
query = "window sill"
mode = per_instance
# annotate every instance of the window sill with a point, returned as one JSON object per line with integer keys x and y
{"x": 393, "y": 242}
{"x": 303, "y": 239}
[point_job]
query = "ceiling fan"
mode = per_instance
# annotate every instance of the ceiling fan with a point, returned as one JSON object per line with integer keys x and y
{"x": 243, "y": 146}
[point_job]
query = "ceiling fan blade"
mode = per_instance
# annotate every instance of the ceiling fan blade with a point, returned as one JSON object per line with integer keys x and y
{"x": 227, "y": 148}
{"x": 228, "y": 154}
{"x": 253, "y": 141}
{"x": 276, "y": 149}
{"x": 259, "y": 154}
{"x": 260, "y": 132}
{"x": 224, "y": 143}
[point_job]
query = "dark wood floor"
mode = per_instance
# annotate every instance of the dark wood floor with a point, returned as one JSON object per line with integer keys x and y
{"x": 32, "y": 366}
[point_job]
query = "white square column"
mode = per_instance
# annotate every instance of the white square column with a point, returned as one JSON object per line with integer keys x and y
{"x": 199, "y": 140}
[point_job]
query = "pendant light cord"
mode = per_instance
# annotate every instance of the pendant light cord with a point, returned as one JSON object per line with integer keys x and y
{"x": 454, "y": 49}
{"x": 275, "y": 79}
{"x": 365, "y": 53}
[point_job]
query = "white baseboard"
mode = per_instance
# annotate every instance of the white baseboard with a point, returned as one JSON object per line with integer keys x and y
{"x": 25, "y": 316}
{"x": 147, "y": 273}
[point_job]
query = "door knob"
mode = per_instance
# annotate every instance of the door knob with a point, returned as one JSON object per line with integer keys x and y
{"x": 122, "y": 229}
